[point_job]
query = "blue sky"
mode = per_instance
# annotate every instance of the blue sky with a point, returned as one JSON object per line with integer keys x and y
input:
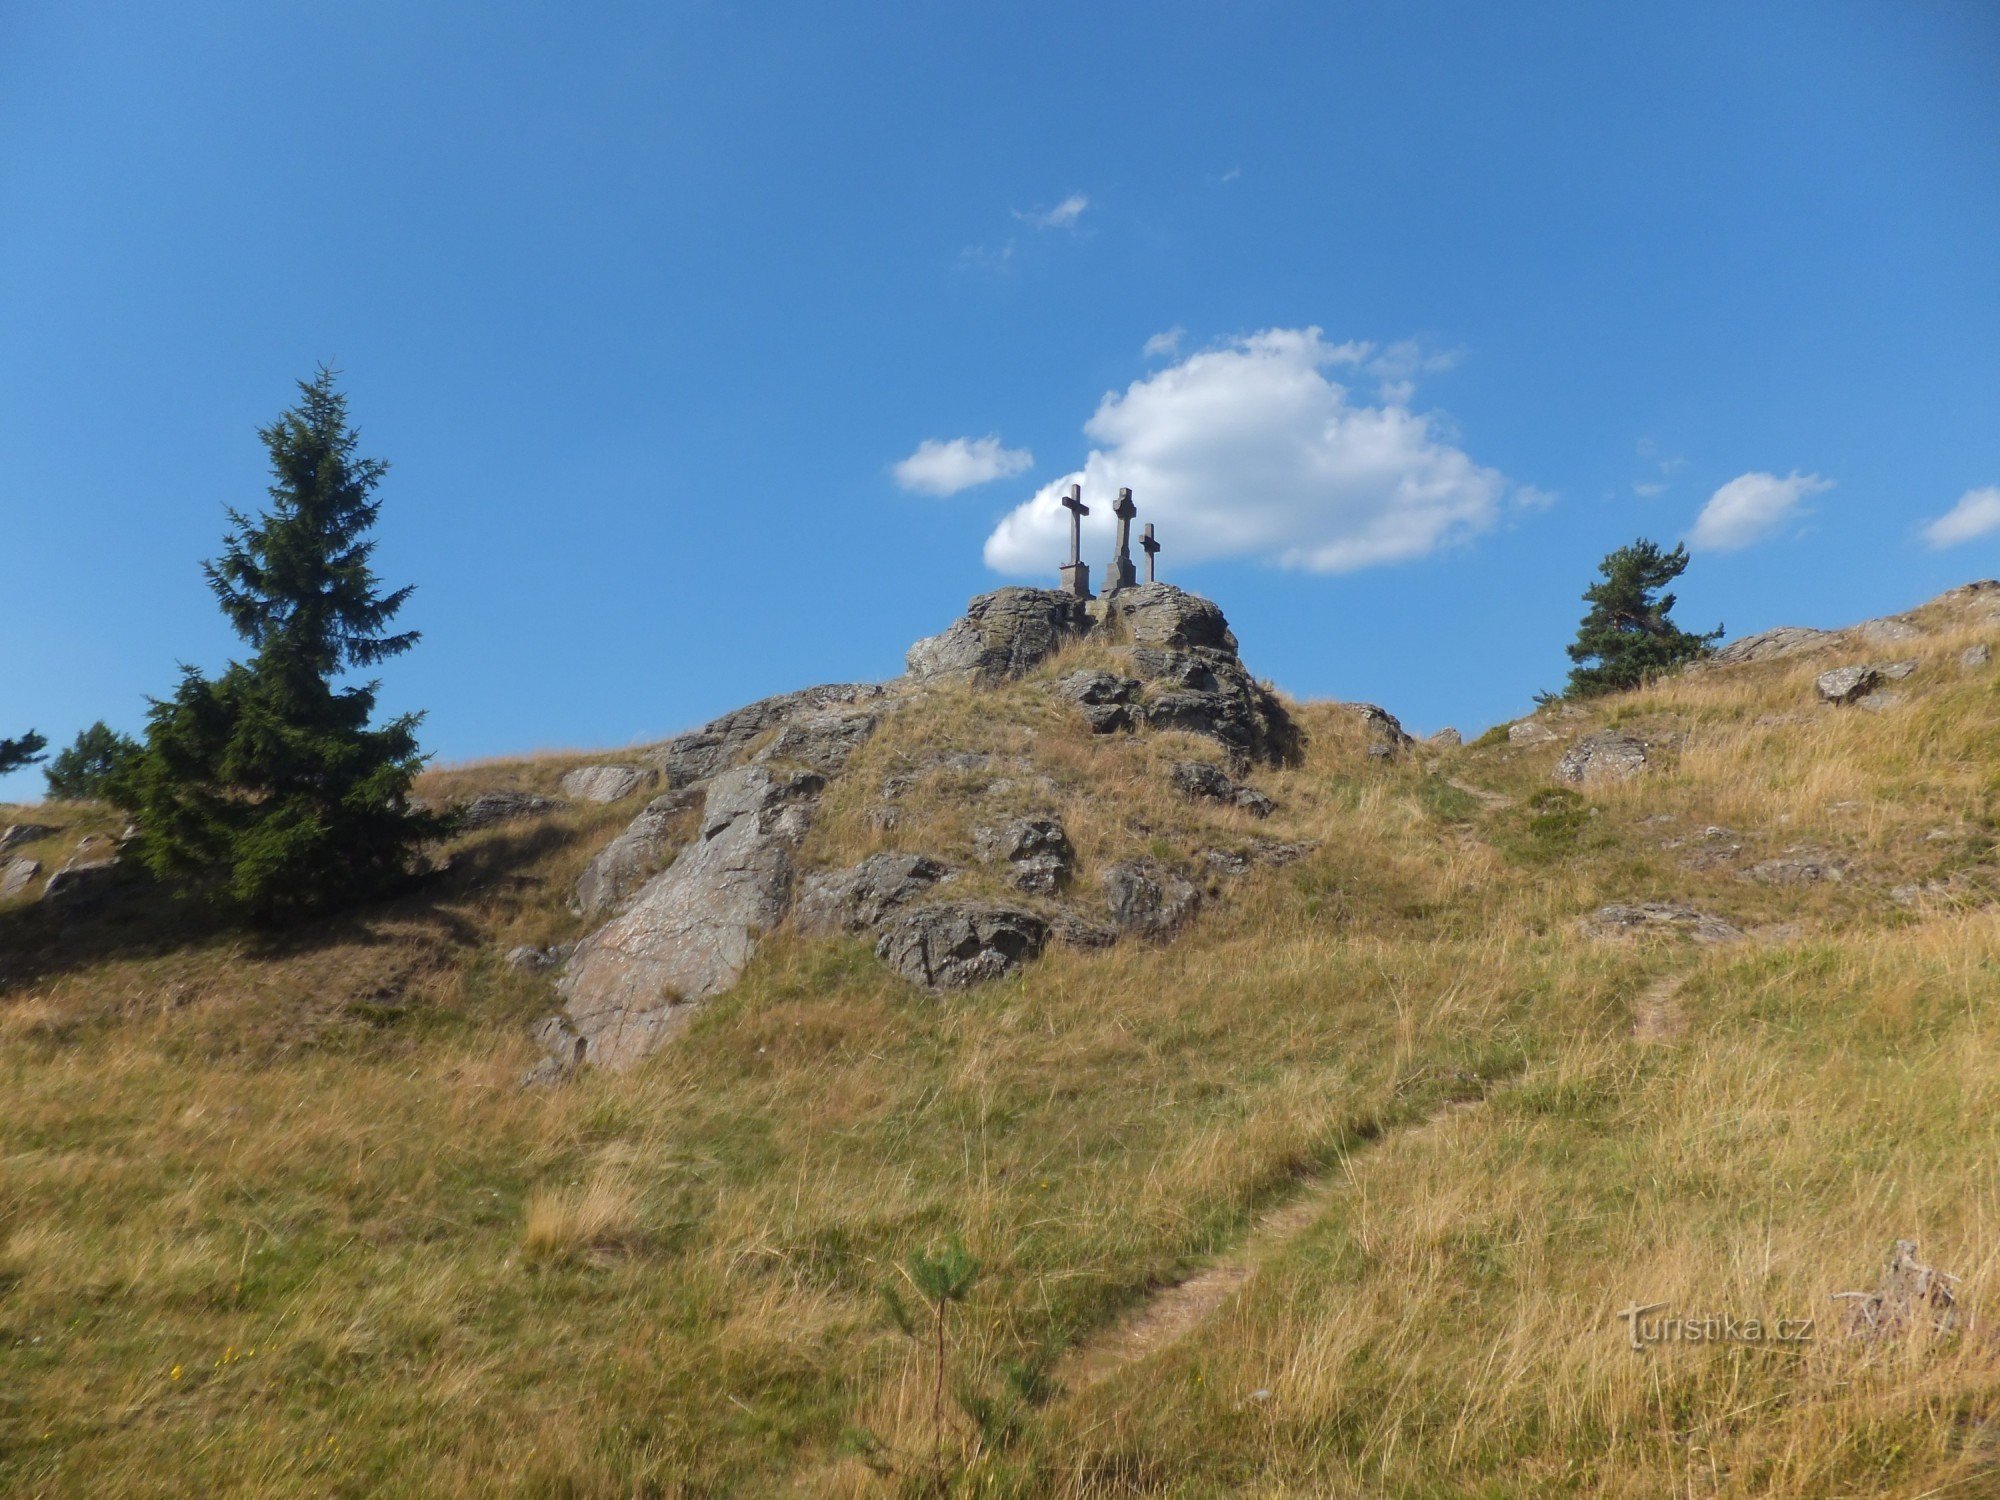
{"x": 652, "y": 308}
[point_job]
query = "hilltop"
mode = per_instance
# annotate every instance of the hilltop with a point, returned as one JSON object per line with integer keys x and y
{"x": 1311, "y": 1097}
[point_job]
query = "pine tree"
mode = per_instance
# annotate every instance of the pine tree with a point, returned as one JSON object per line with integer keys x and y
{"x": 24, "y": 751}
{"x": 85, "y": 769}
{"x": 1628, "y": 636}
{"x": 265, "y": 789}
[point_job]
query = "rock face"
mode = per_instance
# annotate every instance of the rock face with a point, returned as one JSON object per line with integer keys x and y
{"x": 1972, "y": 658}
{"x": 1003, "y": 634}
{"x": 863, "y": 897}
{"x": 1769, "y": 645}
{"x": 1198, "y": 780}
{"x": 17, "y": 875}
{"x": 1158, "y": 614}
{"x": 1847, "y": 684}
{"x": 607, "y": 783}
{"x": 1036, "y": 852}
{"x": 631, "y": 859}
{"x": 1446, "y": 739}
{"x": 1104, "y": 697}
{"x": 1608, "y": 755}
{"x": 80, "y": 882}
{"x": 694, "y": 926}
{"x": 23, "y": 833}
{"x": 1386, "y": 736}
{"x": 1148, "y": 901}
{"x": 950, "y": 947}
{"x": 718, "y": 744}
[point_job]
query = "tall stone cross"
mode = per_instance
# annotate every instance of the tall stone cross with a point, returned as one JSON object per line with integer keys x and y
{"x": 1123, "y": 574}
{"x": 1076, "y": 572}
{"x": 1150, "y": 545}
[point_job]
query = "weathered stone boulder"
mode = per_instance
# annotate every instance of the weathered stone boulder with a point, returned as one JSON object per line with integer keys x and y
{"x": 1446, "y": 739}
{"x": 489, "y": 808}
{"x": 823, "y": 739}
{"x": 949, "y": 947}
{"x": 1200, "y": 781}
{"x": 1158, "y": 614}
{"x": 1659, "y": 916}
{"x": 1847, "y": 684}
{"x": 1530, "y": 731}
{"x": 1769, "y": 645}
{"x": 17, "y": 875}
{"x": 81, "y": 883}
{"x": 24, "y": 833}
{"x": 1386, "y": 736}
{"x": 1798, "y": 867}
{"x": 1973, "y": 657}
{"x": 607, "y": 783}
{"x": 1036, "y": 851}
{"x": 1103, "y": 697}
{"x": 1608, "y": 755}
{"x": 1889, "y": 631}
{"x": 1002, "y": 634}
{"x": 862, "y": 897}
{"x": 1149, "y": 901}
{"x": 720, "y": 743}
{"x": 693, "y": 927}
{"x": 527, "y": 959}
{"x": 636, "y": 855}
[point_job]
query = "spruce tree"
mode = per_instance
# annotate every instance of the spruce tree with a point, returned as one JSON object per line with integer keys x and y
{"x": 1628, "y": 636}
{"x": 85, "y": 769}
{"x": 17, "y": 753}
{"x": 265, "y": 789}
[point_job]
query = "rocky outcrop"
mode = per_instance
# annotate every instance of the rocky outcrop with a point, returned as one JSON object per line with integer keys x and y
{"x": 1608, "y": 755}
{"x": 607, "y": 783}
{"x": 80, "y": 883}
{"x": 1035, "y": 851}
{"x": 636, "y": 855}
{"x": 1770, "y": 645}
{"x": 1002, "y": 634}
{"x": 1105, "y": 698}
{"x": 1200, "y": 781}
{"x": 1386, "y": 736}
{"x": 489, "y": 808}
{"x": 823, "y": 739}
{"x": 861, "y": 898}
{"x": 23, "y": 833}
{"x": 949, "y": 947}
{"x": 694, "y": 926}
{"x": 1862, "y": 682}
{"x": 1659, "y": 916}
{"x": 720, "y": 743}
{"x": 1158, "y": 614}
{"x": 1146, "y": 900}
{"x": 1798, "y": 867}
{"x": 17, "y": 875}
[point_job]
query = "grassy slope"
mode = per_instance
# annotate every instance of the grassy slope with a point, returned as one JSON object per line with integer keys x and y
{"x": 275, "y": 1219}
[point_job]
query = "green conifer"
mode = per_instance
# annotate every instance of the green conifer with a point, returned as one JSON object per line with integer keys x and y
{"x": 1628, "y": 636}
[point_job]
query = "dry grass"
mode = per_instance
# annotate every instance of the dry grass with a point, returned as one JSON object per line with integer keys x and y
{"x": 275, "y": 1219}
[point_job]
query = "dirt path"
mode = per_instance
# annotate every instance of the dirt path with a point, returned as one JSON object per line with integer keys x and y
{"x": 1480, "y": 794}
{"x": 1657, "y": 1014}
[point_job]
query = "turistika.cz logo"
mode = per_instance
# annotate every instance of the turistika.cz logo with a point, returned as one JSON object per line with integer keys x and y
{"x": 1645, "y": 1329}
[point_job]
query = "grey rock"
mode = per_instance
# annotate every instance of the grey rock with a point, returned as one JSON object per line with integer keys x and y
{"x": 1972, "y": 658}
{"x": 860, "y": 898}
{"x": 1770, "y": 645}
{"x": 1888, "y": 631}
{"x": 499, "y": 807}
{"x": 822, "y": 740}
{"x": 1882, "y": 700}
{"x": 1002, "y": 634}
{"x": 1095, "y": 687}
{"x": 17, "y": 875}
{"x": 949, "y": 947}
{"x": 1896, "y": 671}
{"x": 1386, "y": 736}
{"x": 720, "y": 743}
{"x": 1275, "y": 853}
{"x": 1619, "y": 920}
{"x": 1146, "y": 900}
{"x": 635, "y": 856}
{"x": 607, "y": 783}
{"x": 1200, "y": 780}
{"x": 1530, "y": 731}
{"x": 1158, "y": 614}
{"x": 1910, "y": 1295}
{"x": 24, "y": 833}
{"x": 1107, "y": 718}
{"x": 1446, "y": 739}
{"x": 1608, "y": 755}
{"x": 1847, "y": 684}
{"x": 1079, "y": 932}
{"x": 634, "y": 983}
{"x": 565, "y": 1047}
{"x": 1175, "y": 668}
{"x": 1798, "y": 867}
{"x": 1036, "y": 851}
{"x": 80, "y": 883}
{"x": 530, "y": 960}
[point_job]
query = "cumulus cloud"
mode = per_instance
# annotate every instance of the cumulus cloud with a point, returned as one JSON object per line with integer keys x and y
{"x": 945, "y": 468}
{"x": 1160, "y": 345}
{"x": 1751, "y": 507}
{"x": 1977, "y": 514}
{"x": 1063, "y": 216}
{"x": 1251, "y": 450}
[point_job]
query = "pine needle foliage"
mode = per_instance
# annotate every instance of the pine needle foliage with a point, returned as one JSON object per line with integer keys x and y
{"x": 86, "y": 768}
{"x": 265, "y": 790}
{"x": 24, "y": 751}
{"x": 1628, "y": 636}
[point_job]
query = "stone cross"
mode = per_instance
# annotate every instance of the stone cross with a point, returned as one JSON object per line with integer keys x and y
{"x": 1123, "y": 574}
{"x": 1076, "y": 572}
{"x": 1150, "y": 545}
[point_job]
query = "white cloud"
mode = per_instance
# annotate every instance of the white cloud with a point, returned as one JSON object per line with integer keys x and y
{"x": 1063, "y": 216}
{"x": 1977, "y": 514}
{"x": 945, "y": 468}
{"x": 1751, "y": 507}
{"x": 1646, "y": 491}
{"x": 1160, "y": 345}
{"x": 1250, "y": 450}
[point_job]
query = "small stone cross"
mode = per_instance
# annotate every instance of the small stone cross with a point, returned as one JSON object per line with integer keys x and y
{"x": 1123, "y": 575}
{"x": 1076, "y": 572}
{"x": 1150, "y": 545}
